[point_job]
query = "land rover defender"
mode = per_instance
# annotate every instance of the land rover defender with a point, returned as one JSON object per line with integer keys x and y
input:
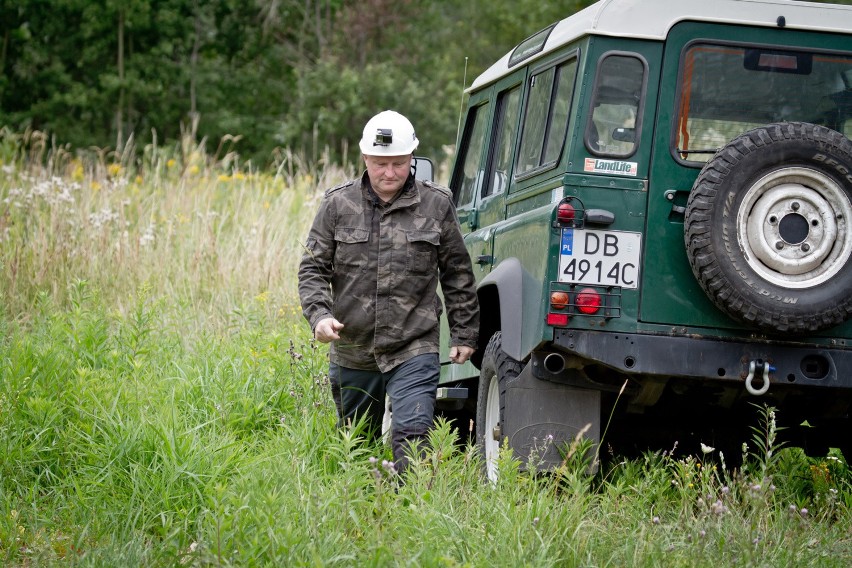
{"x": 657, "y": 199}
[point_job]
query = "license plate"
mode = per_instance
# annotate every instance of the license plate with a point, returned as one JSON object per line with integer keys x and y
{"x": 601, "y": 258}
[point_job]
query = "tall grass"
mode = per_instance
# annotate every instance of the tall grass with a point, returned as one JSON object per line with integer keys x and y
{"x": 162, "y": 404}
{"x": 197, "y": 229}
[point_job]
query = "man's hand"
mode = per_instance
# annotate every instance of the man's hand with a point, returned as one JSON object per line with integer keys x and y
{"x": 460, "y": 353}
{"x": 326, "y": 330}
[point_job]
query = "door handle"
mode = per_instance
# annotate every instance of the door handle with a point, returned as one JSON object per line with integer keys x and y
{"x": 484, "y": 259}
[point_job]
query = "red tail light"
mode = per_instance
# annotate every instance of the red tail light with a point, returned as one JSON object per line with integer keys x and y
{"x": 557, "y": 320}
{"x": 588, "y": 301}
{"x": 565, "y": 213}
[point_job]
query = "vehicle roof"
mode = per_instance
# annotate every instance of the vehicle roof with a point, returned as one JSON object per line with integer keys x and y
{"x": 652, "y": 19}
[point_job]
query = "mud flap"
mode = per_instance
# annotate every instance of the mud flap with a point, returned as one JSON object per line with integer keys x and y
{"x": 542, "y": 419}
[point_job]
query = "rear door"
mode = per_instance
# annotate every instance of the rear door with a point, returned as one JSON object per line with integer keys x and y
{"x": 709, "y": 94}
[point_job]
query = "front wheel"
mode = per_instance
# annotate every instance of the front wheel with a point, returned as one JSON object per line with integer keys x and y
{"x": 497, "y": 369}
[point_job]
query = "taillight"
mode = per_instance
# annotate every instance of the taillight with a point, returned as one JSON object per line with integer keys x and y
{"x": 588, "y": 301}
{"x": 557, "y": 319}
{"x": 565, "y": 213}
{"x": 559, "y": 300}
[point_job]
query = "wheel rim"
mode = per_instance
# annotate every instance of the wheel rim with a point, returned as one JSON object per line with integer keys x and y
{"x": 387, "y": 422}
{"x": 793, "y": 227}
{"x": 492, "y": 421}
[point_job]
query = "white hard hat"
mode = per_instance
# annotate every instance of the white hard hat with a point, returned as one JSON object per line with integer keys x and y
{"x": 388, "y": 134}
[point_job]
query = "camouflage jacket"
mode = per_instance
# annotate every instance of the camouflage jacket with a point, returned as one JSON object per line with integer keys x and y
{"x": 375, "y": 267}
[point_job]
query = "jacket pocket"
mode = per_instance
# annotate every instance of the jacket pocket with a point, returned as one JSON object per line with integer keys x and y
{"x": 422, "y": 251}
{"x": 351, "y": 246}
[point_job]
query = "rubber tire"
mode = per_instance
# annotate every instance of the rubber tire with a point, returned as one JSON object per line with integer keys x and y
{"x": 740, "y": 284}
{"x": 496, "y": 371}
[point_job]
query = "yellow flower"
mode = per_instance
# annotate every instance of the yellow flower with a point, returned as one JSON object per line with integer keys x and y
{"x": 193, "y": 170}
{"x": 114, "y": 170}
{"x": 171, "y": 163}
{"x": 266, "y": 205}
{"x": 239, "y": 175}
{"x": 223, "y": 177}
{"x": 77, "y": 174}
{"x": 138, "y": 180}
{"x": 96, "y": 186}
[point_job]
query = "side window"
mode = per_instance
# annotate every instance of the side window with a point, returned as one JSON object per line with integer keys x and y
{"x": 616, "y": 105}
{"x": 546, "y": 121}
{"x": 469, "y": 176}
{"x": 508, "y": 113}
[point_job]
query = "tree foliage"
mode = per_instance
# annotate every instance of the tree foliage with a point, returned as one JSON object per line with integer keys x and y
{"x": 298, "y": 74}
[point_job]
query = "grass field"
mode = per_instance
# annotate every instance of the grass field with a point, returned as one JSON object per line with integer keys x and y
{"x": 162, "y": 404}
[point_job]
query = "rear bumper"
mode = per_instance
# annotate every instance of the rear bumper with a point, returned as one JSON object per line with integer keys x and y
{"x": 708, "y": 359}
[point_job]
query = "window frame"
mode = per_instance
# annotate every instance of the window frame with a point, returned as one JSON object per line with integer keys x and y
{"x": 558, "y": 65}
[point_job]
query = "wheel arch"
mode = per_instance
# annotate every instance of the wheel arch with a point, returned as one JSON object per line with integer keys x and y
{"x": 503, "y": 287}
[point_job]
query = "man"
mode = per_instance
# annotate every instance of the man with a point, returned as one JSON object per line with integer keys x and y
{"x": 377, "y": 249}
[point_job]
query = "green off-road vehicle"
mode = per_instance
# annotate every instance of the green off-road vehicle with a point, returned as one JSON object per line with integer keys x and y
{"x": 657, "y": 199}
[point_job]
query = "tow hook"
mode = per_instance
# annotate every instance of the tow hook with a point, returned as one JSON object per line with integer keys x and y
{"x": 758, "y": 367}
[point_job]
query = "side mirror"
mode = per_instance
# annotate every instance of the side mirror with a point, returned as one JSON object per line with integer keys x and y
{"x": 423, "y": 168}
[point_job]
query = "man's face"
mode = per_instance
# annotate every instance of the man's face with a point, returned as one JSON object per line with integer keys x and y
{"x": 387, "y": 173}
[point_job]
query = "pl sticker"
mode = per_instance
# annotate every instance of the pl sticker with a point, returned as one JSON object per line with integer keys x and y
{"x": 567, "y": 242}
{"x": 615, "y": 167}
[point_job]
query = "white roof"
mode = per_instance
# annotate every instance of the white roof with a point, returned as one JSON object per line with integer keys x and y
{"x": 652, "y": 19}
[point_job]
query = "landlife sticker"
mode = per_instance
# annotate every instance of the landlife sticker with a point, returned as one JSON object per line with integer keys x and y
{"x": 616, "y": 167}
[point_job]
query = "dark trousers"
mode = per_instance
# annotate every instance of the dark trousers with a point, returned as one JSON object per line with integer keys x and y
{"x": 411, "y": 388}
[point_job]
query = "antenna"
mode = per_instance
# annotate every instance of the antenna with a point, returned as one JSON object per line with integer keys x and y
{"x": 461, "y": 102}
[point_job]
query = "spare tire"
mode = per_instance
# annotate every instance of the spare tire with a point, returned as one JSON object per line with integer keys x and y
{"x": 768, "y": 228}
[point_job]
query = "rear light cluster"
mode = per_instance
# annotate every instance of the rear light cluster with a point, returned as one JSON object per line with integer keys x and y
{"x": 569, "y": 300}
{"x": 570, "y": 213}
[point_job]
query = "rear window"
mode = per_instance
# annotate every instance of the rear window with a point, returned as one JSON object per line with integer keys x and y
{"x": 616, "y": 105}
{"x": 729, "y": 89}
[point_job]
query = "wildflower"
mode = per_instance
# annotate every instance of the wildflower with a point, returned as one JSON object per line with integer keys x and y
{"x": 114, "y": 170}
{"x": 193, "y": 170}
{"x": 803, "y": 512}
{"x": 656, "y": 520}
{"x": 374, "y": 460}
{"x": 706, "y": 449}
{"x": 725, "y": 490}
{"x": 535, "y": 521}
{"x": 702, "y": 533}
{"x": 170, "y": 163}
{"x": 389, "y": 467}
{"x": 718, "y": 508}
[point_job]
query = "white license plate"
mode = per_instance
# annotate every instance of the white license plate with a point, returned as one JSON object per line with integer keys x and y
{"x": 601, "y": 258}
